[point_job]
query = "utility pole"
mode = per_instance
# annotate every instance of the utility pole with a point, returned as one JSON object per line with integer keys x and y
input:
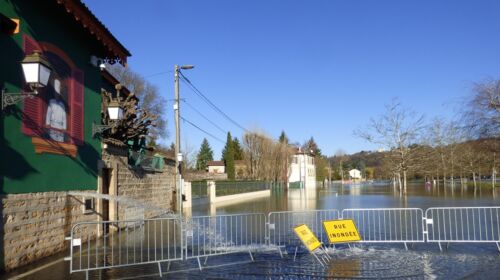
{"x": 178, "y": 155}
{"x": 177, "y": 142}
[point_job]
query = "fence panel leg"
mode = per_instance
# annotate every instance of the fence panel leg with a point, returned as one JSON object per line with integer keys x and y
{"x": 251, "y": 256}
{"x": 168, "y": 266}
{"x": 498, "y": 246}
{"x": 87, "y": 275}
{"x": 406, "y": 246}
{"x": 159, "y": 269}
{"x": 199, "y": 263}
{"x": 440, "y": 248}
{"x": 295, "y": 254}
{"x": 281, "y": 253}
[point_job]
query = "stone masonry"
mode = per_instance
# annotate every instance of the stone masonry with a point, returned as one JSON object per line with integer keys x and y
{"x": 148, "y": 188}
{"x": 154, "y": 189}
{"x": 35, "y": 225}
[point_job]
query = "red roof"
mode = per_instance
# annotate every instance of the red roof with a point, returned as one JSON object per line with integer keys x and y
{"x": 115, "y": 51}
{"x": 216, "y": 163}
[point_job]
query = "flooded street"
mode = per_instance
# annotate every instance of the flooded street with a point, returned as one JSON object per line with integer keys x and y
{"x": 362, "y": 261}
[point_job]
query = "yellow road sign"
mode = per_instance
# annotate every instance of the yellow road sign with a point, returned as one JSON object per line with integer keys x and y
{"x": 307, "y": 237}
{"x": 339, "y": 231}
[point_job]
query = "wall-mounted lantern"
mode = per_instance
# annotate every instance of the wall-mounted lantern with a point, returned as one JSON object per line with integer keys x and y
{"x": 115, "y": 114}
{"x": 36, "y": 69}
{"x": 115, "y": 111}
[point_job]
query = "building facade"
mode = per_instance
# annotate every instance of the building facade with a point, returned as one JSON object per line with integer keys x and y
{"x": 52, "y": 167}
{"x": 216, "y": 167}
{"x": 302, "y": 171}
{"x": 355, "y": 175}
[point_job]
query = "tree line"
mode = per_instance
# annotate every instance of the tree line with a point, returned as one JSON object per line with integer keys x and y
{"x": 440, "y": 151}
{"x": 448, "y": 152}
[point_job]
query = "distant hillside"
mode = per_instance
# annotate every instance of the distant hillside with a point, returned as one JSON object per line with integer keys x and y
{"x": 470, "y": 158}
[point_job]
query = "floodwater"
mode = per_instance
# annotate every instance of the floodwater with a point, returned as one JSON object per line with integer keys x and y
{"x": 367, "y": 261}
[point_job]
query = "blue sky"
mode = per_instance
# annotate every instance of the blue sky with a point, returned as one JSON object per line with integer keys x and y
{"x": 310, "y": 68}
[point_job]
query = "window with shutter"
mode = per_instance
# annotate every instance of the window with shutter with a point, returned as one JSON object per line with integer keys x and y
{"x": 77, "y": 108}
{"x": 54, "y": 118}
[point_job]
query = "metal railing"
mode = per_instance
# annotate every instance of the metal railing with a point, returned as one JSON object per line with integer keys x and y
{"x": 146, "y": 162}
{"x": 223, "y": 188}
{"x": 281, "y": 224}
{"x": 463, "y": 224}
{"x": 101, "y": 245}
{"x": 199, "y": 189}
{"x": 397, "y": 225}
{"x": 208, "y": 236}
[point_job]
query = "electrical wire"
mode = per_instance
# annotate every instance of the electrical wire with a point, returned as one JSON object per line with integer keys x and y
{"x": 206, "y": 118}
{"x": 210, "y": 103}
{"x": 202, "y": 130}
{"x": 159, "y": 73}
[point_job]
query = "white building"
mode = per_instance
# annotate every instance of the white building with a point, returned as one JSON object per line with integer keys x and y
{"x": 302, "y": 171}
{"x": 216, "y": 167}
{"x": 354, "y": 174}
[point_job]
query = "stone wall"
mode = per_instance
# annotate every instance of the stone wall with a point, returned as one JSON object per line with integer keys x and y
{"x": 203, "y": 175}
{"x": 145, "y": 194}
{"x": 35, "y": 225}
{"x": 152, "y": 190}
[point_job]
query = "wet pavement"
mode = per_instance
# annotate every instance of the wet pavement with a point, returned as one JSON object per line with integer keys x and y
{"x": 366, "y": 261}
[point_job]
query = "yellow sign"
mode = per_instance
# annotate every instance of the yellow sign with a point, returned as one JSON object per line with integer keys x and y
{"x": 307, "y": 237}
{"x": 341, "y": 231}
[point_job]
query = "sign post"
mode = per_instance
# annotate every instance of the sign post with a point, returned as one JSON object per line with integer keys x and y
{"x": 311, "y": 242}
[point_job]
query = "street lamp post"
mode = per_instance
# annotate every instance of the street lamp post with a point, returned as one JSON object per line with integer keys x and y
{"x": 178, "y": 155}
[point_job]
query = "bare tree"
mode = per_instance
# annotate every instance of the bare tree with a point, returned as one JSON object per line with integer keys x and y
{"x": 482, "y": 115}
{"x": 482, "y": 110}
{"x": 149, "y": 98}
{"x": 398, "y": 131}
{"x": 266, "y": 158}
{"x": 189, "y": 154}
{"x": 340, "y": 154}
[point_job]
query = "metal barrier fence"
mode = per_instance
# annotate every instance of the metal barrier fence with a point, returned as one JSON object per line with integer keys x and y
{"x": 463, "y": 224}
{"x": 281, "y": 224}
{"x": 217, "y": 235}
{"x": 388, "y": 224}
{"x": 101, "y": 245}
{"x": 124, "y": 243}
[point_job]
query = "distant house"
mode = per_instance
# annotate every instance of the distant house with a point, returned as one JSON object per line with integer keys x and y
{"x": 354, "y": 174}
{"x": 216, "y": 167}
{"x": 302, "y": 170}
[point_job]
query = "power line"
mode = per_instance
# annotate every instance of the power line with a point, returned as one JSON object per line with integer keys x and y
{"x": 204, "y": 131}
{"x": 210, "y": 103}
{"x": 199, "y": 113}
{"x": 159, "y": 73}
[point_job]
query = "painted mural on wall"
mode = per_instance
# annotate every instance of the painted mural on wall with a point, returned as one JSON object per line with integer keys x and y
{"x": 54, "y": 119}
{"x": 56, "y": 97}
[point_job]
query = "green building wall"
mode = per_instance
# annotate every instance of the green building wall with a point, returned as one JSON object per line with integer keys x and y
{"x": 21, "y": 169}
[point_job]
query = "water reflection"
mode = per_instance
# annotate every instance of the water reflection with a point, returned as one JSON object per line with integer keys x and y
{"x": 344, "y": 268}
{"x": 302, "y": 199}
{"x": 425, "y": 261}
{"x": 365, "y": 195}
